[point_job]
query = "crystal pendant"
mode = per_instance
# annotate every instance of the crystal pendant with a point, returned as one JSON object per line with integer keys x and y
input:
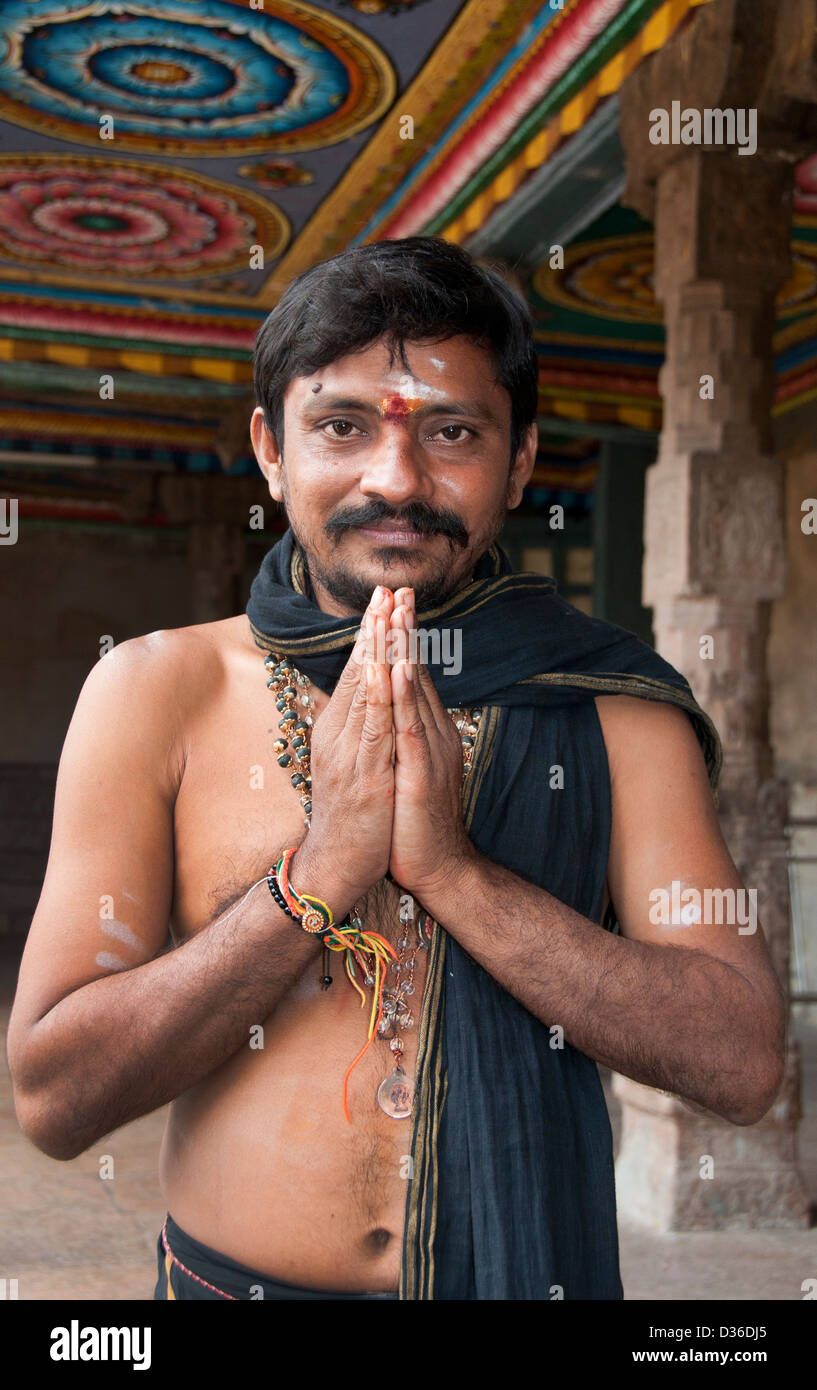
{"x": 396, "y": 1094}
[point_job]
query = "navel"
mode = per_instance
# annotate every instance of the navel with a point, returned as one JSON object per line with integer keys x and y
{"x": 378, "y": 1239}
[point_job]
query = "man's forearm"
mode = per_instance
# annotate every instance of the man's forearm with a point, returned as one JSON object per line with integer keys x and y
{"x": 668, "y": 1016}
{"x": 125, "y": 1044}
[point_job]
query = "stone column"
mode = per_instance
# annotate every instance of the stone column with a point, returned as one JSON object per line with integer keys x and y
{"x": 714, "y": 561}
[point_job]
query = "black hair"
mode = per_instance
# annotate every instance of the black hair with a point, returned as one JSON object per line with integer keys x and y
{"x": 419, "y": 288}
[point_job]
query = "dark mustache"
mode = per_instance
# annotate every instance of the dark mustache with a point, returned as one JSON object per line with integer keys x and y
{"x": 416, "y": 516}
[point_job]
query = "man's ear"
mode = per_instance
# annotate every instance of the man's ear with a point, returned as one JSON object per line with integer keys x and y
{"x": 266, "y": 451}
{"x": 522, "y": 466}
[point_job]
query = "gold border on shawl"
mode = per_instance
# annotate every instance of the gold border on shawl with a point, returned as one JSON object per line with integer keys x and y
{"x": 485, "y": 745}
{"x": 493, "y": 585}
{"x": 344, "y": 637}
{"x": 426, "y": 1133}
{"x": 441, "y": 1089}
{"x": 430, "y": 1149}
{"x": 297, "y": 572}
{"x": 408, "y": 1275}
{"x": 486, "y": 589}
{"x": 623, "y": 683}
{"x": 296, "y": 648}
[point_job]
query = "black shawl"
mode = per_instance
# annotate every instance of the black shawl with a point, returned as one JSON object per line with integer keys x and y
{"x": 512, "y": 1193}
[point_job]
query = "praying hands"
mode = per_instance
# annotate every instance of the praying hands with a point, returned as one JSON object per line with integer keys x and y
{"x": 386, "y": 765}
{"x": 429, "y": 843}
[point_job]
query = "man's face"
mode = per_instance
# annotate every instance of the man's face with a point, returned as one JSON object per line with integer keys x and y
{"x": 395, "y": 478}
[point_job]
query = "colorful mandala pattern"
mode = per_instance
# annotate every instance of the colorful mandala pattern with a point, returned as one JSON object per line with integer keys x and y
{"x": 277, "y": 173}
{"x": 613, "y": 278}
{"x": 212, "y": 78}
{"x": 129, "y": 219}
{"x": 379, "y": 6}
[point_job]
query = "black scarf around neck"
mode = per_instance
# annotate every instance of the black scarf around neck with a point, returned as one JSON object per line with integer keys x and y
{"x": 512, "y": 1192}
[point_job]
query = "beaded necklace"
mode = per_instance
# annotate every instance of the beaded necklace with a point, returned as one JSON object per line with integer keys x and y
{"x": 291, "y": 689}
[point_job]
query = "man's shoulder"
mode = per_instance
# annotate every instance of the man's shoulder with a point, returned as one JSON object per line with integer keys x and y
{"x": 178, "y": 647}
{"x": 170, "y": 666}
{"x": 143, "y": 697}
{"x": 638, "y": 731}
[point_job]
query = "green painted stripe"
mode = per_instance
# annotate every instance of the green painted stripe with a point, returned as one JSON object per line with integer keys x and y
{"x": 93, "y": 340}
{"x": 50, "y": 376}
{"x": 617, "y": 33}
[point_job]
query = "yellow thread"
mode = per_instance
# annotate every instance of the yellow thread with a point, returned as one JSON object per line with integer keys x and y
{"x": 168, "y": 1267}
{"x": 354, "y": 982}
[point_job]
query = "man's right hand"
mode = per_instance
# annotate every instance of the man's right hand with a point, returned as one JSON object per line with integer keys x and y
{"x": 348, "y": 844}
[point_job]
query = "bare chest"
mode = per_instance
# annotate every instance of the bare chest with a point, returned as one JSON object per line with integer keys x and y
{"x": 235, "y": 813}
{"x": 236, "y": 809}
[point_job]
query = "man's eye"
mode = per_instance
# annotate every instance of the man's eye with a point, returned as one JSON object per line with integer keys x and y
{"x": 443, "y": 429}
{"x": 344, "y": 434}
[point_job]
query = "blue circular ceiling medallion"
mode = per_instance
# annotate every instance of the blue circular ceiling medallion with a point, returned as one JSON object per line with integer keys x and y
{"x": 163, "y": 80}
{"x": 211, "y": 79}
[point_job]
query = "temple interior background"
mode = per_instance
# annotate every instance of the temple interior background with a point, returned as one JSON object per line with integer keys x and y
{"x": 164, "y": 173}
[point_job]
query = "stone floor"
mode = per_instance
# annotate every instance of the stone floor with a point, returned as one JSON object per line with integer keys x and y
{"x": 67, "y": 1232}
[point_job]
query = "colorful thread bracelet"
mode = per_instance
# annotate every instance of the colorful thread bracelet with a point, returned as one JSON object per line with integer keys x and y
{"x": 312, "y": 914}
{"x": 280, "y": 900}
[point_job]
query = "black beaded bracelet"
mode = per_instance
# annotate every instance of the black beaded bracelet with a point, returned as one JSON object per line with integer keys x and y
{"x": 272, "y": 884}
{"x": 278, "y": 897}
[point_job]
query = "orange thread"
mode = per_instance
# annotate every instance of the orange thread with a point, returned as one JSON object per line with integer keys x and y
{"x": 283, "y": 879}
{"x": 363, "y": 1050}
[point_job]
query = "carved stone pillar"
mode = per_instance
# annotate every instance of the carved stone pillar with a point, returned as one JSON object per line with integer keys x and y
{"x": 714, "y": 561}
{"x": 216, "y": 559}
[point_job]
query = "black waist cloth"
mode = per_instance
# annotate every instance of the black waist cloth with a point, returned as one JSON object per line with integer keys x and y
{"x": 197, "y": 1271}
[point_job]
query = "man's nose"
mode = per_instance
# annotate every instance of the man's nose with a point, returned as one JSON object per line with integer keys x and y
{"x": 395, "y": 469}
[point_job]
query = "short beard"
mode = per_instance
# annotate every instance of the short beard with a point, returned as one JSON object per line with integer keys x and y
{"x": 348, "y": 588}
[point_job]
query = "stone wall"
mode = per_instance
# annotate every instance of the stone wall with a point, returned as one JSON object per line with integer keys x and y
{"x": 64, "y": 589}
{"x": 793, "y": 636}
{"x": 793, "y": 718}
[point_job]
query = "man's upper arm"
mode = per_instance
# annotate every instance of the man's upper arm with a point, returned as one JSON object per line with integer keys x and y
{"x": 105, "y": 901}
{"x": 665, "y": 831}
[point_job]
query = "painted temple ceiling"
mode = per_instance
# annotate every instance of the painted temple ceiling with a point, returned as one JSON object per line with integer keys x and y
{"x": 166, "y": 170}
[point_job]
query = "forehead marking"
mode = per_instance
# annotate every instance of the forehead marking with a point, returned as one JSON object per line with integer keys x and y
{"x": 396, "y": 407}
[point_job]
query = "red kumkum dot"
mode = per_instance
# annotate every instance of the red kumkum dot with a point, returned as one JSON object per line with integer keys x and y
{"x": 397, "y": 407}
